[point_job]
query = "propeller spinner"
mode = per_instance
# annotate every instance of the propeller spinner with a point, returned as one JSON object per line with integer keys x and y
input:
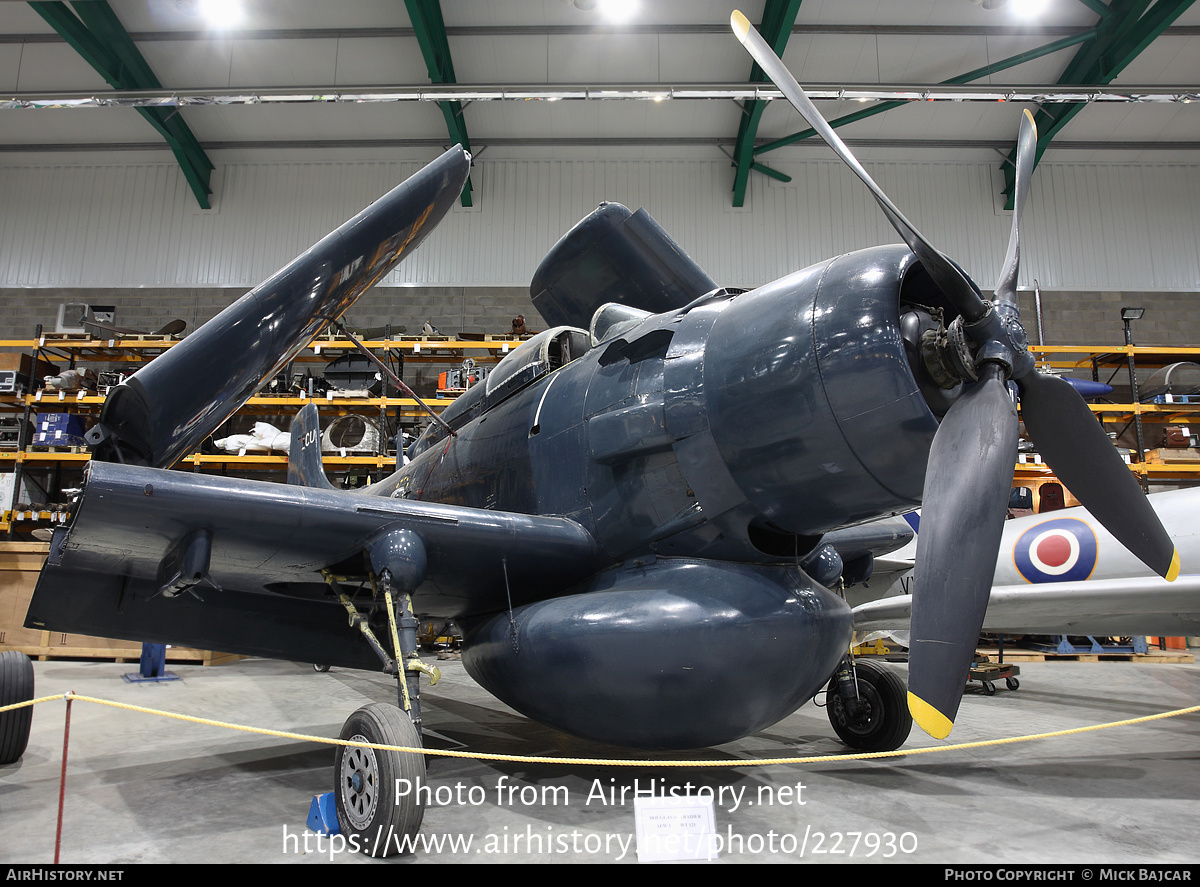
{"x": 970, "y": 467}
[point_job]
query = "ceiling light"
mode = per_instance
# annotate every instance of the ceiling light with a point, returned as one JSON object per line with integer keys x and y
{"x": 1028, "y": 8}
{"x": 221, "y": 13}
{"x": 618, "y": 11}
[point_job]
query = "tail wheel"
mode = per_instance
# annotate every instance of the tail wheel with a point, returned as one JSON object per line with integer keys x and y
{"x": 883, "y": 721}
{"x": 16, "y": 685}
{"x": 367, "y": 781}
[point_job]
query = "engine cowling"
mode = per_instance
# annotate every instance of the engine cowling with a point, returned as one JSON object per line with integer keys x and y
{"x": 812, "y": 397}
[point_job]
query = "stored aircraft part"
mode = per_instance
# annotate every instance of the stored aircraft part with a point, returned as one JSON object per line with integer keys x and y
{"x": 871, "y": 715}
{"x": 614, "y": 255}
{"x": 1173, "y": 379}
{"x": 384, "y": 371}
{"x": 353, "y": 372}
{"x": 376, "y": 791}
{"x": 170, "y": 405}
{"x": 351, "y": 433}
{"x": 641, "y": 655}
{"x": 16, "y": 685}
{"x": 263, "y": 438}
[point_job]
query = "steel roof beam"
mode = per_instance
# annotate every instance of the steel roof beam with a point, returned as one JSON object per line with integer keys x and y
{"x": 658, "y": 30}
{"x": 778, "y": 19}
{"x": 430, "y": 31}
{"x": 999, "y": 146}
{"x": 98, "y": 36}
{"x": 1010, "y": 62}
{"x": 1120, "y": 38}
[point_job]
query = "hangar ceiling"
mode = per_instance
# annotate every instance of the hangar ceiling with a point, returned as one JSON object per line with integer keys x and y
{"x": 1109, "y": 79}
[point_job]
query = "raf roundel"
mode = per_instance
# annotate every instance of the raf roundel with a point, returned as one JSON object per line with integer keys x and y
{"x": 1062, "y": 550}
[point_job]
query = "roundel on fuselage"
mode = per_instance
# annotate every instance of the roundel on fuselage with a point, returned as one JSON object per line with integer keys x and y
{"x": 1060, "y": 550}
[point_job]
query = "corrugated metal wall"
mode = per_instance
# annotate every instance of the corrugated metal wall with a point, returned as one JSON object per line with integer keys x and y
{"x": 1088, "y": 226}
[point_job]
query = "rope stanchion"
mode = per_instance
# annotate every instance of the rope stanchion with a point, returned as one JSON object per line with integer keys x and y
{"x": 610, "y": 762}
{"x": 62, "y": 777}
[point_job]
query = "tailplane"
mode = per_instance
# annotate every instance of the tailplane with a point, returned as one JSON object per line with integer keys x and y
{"x": 305, "y": 468}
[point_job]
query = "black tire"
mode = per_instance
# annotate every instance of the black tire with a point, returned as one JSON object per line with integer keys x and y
{"x": 1012, "y": 683}
{"x": 16, "y": 685}
{"x": 365, "y": 781}
{"x": 989, "y": 688}
{"x": 320, "y": 668}
{"x": 887, "y": 722}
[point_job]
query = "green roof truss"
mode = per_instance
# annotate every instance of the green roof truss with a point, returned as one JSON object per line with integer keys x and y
{"x": 430, "y": 30}
{"x": 95, "y": 32}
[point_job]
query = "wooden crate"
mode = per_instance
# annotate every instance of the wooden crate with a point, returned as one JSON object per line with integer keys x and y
{"x": 20, "y": 563}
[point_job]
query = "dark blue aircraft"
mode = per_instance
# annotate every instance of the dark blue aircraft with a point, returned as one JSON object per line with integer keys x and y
{"x": 640, "y": 519}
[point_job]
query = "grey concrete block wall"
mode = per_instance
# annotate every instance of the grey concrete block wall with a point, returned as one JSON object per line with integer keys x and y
{"x": 452, "y": 310}
{"x": 1094, "y": 318}
{"x": 1068, "y": 318}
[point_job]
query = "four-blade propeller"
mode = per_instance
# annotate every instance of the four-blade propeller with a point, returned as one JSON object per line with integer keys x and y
{"x": 970, "y": 467}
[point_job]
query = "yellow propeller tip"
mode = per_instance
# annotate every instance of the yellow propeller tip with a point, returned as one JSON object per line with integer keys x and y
{"x": 1173, "y": 570}
{"x": 929, "y": 718}
{"x": 740, "y": 25}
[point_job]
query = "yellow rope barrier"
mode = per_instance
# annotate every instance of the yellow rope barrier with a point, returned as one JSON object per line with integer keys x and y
{"x": 608, "y": 762}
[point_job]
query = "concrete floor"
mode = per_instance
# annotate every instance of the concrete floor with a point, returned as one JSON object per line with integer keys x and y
{"x": 147, "y": 789}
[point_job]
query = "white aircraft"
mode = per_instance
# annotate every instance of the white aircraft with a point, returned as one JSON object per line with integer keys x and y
{"x": 1062, "y": 573}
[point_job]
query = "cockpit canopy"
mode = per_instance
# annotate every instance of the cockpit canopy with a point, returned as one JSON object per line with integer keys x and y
{"x": 532, "y": 359}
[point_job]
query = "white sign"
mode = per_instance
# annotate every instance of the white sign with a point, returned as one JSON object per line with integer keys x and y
{"x": 672, "y": 827}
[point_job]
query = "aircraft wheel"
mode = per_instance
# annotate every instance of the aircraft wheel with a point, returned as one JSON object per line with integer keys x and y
{"x": 885, "y": 722}
{"x": 320, "y": 668}
{"x": 365, "y": 781}
{"x": 16, "y": 685}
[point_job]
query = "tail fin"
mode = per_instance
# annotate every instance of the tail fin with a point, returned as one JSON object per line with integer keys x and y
{"x": 304, "y": 455}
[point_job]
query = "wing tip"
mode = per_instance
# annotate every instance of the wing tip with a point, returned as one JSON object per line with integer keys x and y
{"x": 740, "y": 24}
{"x": 929, "y": 718}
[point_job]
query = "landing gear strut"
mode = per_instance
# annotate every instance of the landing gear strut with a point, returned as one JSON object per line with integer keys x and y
{"x": 377, "y": 790}
{"x": 867, "y": 705}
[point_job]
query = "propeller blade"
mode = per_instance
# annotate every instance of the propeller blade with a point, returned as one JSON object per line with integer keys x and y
{"x": 967, "y": 486}
{"x": 953, "y": 283}
{"x": 1006, "y": 287}
{"x": 1073, "y": 444}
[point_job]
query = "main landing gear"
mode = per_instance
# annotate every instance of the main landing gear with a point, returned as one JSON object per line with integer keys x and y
{"x": 867, "y": 705}
{"x": 374, "y": 812}
{"x": 16, "y": 685}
